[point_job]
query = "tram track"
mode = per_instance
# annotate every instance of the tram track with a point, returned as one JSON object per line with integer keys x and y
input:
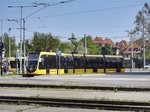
{"x": 110, "y": 88}
{"x": 79, "y": 103}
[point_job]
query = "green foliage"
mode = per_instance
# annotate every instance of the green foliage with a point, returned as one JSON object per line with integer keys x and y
{"x": 74, "y": 43}
{"x": 106, "y": 50}
{"x": 147, "y": 52}
{"x": 65, "y": 47}
{"x": 94, "y": 49}
{"x": 6, "y": 45}
{"x": 45, "y": 42}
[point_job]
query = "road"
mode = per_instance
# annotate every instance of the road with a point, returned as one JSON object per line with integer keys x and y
{"x": 36, "y": 108}
{"x": 123, "y": 79}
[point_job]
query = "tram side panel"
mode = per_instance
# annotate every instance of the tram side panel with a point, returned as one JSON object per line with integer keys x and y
{"x": 78, "y": 63}
{"x": 68, "y": 64}
{"x": 114, "y": 64}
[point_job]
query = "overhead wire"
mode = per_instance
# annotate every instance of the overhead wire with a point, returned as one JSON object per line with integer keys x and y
{"x": 90, "y": 11}
{"x": 47, "y": 5}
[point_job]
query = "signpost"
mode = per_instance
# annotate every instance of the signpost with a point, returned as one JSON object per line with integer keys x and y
{"x": 58, "y": 54}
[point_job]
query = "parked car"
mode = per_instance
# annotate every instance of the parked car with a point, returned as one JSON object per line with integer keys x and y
{"x": 147, "y": 66}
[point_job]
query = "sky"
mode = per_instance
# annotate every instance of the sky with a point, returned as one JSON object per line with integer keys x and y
{"x": 102, "y": 18}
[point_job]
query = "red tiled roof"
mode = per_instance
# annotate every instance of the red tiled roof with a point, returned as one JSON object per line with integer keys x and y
{"x": 129, "y": 51}
{"x": 109, "y": 41}
{"x": 98, "y": 40}
{"x": 122, "y": 44}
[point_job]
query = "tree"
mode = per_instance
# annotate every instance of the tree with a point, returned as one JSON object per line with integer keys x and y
{"x": 6, "y": 45}
{"x": 94, "y": 49}
{"x": 46, "y": 42}
{"x": 65, "y": 47}
{"x": 74, "y": 43}
{"x": 28, "y": 46}
{"x": 142, "y": 22}
{"x": 91, "y": 47}
{"x": 106, "y": 50}
{"x": 142, "y": 19}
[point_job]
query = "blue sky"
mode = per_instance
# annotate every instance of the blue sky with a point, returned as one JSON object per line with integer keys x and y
{"x": 102, "y": 18}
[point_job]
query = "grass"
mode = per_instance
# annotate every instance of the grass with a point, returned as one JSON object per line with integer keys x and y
{"x": 10, "y": 74}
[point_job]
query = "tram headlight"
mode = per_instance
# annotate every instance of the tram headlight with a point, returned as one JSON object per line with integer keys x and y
{"x": 31, "y": 69}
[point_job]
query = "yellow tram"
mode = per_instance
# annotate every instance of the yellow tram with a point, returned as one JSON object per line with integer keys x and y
{"x": 41, "y": 63}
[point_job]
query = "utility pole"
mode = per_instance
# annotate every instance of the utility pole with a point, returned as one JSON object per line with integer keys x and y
{"x": 143, "y": 46}
{"x": 132, "y": 48}
{"x": 21, "y": 7}
{"x": 1, "y": 49}
{"x": 24, "y": 43}
{"x": 85, "y": 44}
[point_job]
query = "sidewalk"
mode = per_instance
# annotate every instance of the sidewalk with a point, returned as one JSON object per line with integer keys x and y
{"x": 137, "y": 70}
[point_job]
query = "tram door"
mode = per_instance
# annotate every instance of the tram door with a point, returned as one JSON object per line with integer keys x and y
{"x": 95, "y": 65}
{"x": 47, "y": 65}
{"x": 118, "y": 65}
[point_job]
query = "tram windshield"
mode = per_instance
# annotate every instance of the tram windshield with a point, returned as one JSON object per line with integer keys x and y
{"x": 33, "y": 60}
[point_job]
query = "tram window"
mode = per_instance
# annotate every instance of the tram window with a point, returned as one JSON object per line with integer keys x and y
{"x": 52, "y": 62}
{"x": 42, "y": 63}
{"x": 13, "y": 64}
{"x": 61, "y": 62}
{"x": 122, "y": 63}
{"x": 47, "y": 62}
{"x": 78, "y": 62}
{"x": 100, "y": 62}
{"x": 82, "y": 62}
{"x": 65, "y": 62}
{"x": 113, "y": 63}
{"x": 89, "y": 62}
{"x": 68, "y": 64}
{"x": 108, "y": 63}
{"x": 94, "y": 63}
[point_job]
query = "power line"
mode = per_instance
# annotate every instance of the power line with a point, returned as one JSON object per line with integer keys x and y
{"x": 90, "y": 11}
{"x": 47, "y": 5}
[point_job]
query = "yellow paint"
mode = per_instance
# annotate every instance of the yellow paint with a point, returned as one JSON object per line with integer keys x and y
{"x": 110, "y": 70}
{"x": 53, "y": 71}
{"x": 70, "y": 71}
{"x": 79, "y": 71}
{"x": 89, "y": 70}
{"x": 100, "y": 70}
{"x": 123, "y": 70}
{"x": 60, "y": 71}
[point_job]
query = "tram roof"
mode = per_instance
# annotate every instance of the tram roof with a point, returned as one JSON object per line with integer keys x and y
{"x": 113, "y": 56}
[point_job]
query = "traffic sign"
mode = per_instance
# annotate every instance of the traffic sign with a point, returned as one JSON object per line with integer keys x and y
{"x": 59, "y": 52}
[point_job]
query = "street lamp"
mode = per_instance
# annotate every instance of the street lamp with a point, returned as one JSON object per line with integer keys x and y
{"x": 132, "y": 48}
{"x": 21, "y": 7}
{"x": 9, "y": 44}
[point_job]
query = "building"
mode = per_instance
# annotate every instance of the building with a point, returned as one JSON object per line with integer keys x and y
{"x": 102, "y": 42}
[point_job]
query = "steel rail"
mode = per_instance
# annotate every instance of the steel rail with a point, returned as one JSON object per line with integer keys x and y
{"x": 79, "y": 103}
{"x": 75, "y": 87}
